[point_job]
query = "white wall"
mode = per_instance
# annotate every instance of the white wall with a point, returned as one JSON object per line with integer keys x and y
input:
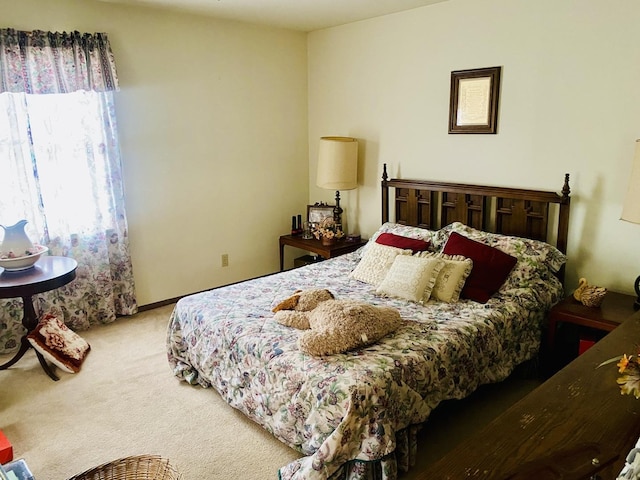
{"x": 212, "y": 117}
{"x": 213, "y": 122}
{"x": 569, "y": 102}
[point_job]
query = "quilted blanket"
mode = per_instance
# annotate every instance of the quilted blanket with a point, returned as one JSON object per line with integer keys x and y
{"x": 350, "y": 415}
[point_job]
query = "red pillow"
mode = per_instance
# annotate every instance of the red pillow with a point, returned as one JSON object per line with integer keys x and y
{"x": 398, "y": 241}
{"x": 490, "y": 266}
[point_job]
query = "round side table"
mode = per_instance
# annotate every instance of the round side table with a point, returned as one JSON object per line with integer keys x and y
{"x": 48, "y": 273}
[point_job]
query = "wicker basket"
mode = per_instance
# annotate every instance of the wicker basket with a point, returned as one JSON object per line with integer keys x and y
{"x": 138, "y": 467}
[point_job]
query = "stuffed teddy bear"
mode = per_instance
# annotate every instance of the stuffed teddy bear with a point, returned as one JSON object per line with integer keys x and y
{"x": 299, "y": 302}
{"x": 336, "y": 326}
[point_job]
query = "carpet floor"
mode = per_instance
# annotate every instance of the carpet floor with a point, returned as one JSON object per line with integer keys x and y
{"x": 125, "y": 401}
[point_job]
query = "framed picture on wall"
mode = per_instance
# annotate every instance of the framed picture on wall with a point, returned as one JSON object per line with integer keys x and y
{"x": 318, "y": 212}
{"x": 473, "y": 106}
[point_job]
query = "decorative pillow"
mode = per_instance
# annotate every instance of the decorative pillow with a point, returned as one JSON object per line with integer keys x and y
{"x": 58, "y": 344}
{"x": 411, "y": 278}
{"x": 451, "y": 278}
{"x": 398, "y": 241}
{"x": 376, "y": 262}
{"x": 490, "y": 266}
{"x": 400, "y": 230}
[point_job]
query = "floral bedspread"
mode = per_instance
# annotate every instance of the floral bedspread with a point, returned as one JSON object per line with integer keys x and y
{"x": 345, "y": 413}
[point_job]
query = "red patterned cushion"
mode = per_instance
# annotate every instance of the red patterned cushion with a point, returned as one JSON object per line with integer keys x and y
{"x": 58, "y": 344}
{"x": 406, "y": 243}
{"x": 490, "y": 266}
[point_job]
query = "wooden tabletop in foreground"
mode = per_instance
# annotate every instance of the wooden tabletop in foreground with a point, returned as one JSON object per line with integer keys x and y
{"x": 577, "y": 415}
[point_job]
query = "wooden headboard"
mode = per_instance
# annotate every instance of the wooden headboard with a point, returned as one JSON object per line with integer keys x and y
{"x": 535, "y": 214}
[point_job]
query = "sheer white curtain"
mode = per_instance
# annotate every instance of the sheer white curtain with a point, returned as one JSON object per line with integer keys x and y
{"x": 61, "y": 166}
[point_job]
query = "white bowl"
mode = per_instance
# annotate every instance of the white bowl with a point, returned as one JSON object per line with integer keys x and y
{"x": 22, "y": 263}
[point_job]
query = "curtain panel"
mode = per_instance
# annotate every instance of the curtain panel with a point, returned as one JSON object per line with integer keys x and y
{"x": 55, "y": 62}
{"x": 63, "y": 173}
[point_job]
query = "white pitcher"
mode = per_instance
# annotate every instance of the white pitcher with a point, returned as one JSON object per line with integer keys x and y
{"x": 15, "y": 240}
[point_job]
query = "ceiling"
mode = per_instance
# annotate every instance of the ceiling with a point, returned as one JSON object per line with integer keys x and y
{"x": 303, "y": 15}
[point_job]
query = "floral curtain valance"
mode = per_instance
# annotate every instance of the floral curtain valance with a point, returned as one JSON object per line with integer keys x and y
{"x": 55, "y": 62}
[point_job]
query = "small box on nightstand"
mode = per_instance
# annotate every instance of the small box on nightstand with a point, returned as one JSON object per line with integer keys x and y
{"x": 353, "y": 238}
{"x": 585, "y": 343}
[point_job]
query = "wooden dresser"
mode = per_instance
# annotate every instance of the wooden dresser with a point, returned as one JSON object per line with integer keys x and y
{"x": 574, "y": 425}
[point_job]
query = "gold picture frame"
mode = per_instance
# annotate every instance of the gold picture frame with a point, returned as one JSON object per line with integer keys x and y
{"x": 473, "y": 105}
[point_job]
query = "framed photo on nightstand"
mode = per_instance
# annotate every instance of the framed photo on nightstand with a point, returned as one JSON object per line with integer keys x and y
{"x": 318, "y": 212}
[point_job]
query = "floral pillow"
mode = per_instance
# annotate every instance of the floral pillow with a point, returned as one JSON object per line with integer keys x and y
{"x": 535, "y": 253}
{"x": 536, "y": 259}
{"x": 58, "y": 344}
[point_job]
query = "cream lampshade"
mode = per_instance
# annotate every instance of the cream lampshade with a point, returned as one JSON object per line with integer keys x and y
{"x": 631, "y": 206}
{"x": 338, "y": 167}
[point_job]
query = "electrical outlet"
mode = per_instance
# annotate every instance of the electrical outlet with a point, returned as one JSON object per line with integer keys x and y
{"x": 225, "y": 259}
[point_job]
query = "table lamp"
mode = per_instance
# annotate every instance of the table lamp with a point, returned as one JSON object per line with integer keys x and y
{"x": 631, "y": 206}
{"x": 338, "y": 167}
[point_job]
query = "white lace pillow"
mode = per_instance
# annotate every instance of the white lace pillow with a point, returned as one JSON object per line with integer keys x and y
{"x": 411, "y": 278}
{"x": 451, "y": 278}
{"x": 376, "y": 262}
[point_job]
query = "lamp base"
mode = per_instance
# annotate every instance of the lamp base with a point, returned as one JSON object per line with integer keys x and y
{"x": 337, "y": 210}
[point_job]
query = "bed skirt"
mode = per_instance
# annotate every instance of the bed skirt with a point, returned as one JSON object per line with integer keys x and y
{"x": 401, "y": 460}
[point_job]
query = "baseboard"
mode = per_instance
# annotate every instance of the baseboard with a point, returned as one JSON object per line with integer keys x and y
{"x": 162, "y": 303}
{"x": 169, "y": 301}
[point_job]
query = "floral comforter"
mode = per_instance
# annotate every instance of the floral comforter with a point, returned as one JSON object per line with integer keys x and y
{"x": 350, "y": 415}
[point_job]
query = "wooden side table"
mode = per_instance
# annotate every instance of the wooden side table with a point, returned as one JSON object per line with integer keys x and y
{"x": 48, "y": 273}
{"x": 312, "y": 245}
{"x": 615, "y": 309}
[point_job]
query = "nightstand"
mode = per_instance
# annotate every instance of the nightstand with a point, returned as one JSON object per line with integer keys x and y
{"x": 312, "y": 245}
{"x": 615, "y": 309}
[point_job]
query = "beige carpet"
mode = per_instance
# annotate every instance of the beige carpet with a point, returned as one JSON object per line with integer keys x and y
{"x": 126, "y": 401}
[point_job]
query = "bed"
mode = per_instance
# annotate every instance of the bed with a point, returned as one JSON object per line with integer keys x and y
{"x": 355, "y": 415}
